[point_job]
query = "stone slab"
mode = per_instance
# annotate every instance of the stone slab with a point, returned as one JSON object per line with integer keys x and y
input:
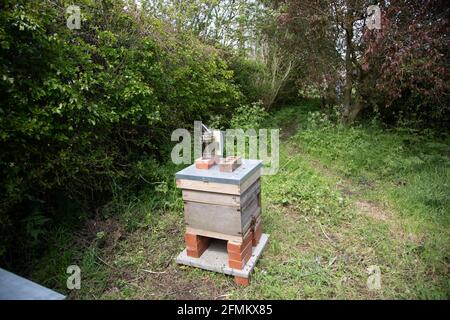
{"x": 14, "y": 287}
{"x": 215, "y": 258}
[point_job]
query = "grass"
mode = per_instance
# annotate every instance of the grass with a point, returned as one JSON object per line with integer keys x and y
{"x": 344, "y": 199}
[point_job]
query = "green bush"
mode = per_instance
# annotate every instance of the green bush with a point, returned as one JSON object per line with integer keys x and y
{"x": 249, "y": 116}
{"x": 87, "y": 112}
{"x": 250, "y": 75}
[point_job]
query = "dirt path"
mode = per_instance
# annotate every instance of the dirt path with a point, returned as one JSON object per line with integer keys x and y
{"x": 346, "y": 186}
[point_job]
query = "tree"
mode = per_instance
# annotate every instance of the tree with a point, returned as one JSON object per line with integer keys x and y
{"x": 400, "y": 68}
{"x": 406, "y": 62}
{"x": 326, "y": 35}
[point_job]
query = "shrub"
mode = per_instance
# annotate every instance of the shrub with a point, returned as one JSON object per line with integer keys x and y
{"x": 83, "y": 110}
{"x": 250, "y": 75}
{"x": 249, "y": 116}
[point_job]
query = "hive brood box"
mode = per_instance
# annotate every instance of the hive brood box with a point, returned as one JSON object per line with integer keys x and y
{"x": 222, "y": 205}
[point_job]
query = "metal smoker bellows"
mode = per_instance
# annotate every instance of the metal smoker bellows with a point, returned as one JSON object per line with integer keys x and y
{"x": 212, "y": 148}
{"x": 207, "y": 139}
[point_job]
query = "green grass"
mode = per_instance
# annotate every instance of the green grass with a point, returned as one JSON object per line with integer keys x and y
{"x": 345, "y": 198}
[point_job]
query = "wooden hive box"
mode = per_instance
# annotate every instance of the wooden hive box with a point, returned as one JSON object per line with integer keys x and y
{"x": 222, "y": 205}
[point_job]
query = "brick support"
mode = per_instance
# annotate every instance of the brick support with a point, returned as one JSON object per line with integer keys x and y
{"x": 240, "y": 252}
{"x": 242, "y": 281}
{"x": 257, "y": 232}
{"x": 195, "y": 244}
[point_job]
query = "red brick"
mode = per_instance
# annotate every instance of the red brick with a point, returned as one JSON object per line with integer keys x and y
{"x": 204, "y": 163}
{"x": 240, "y": 264}
{"x": 196, "y": 253}
{"x": 240, "y": 252}
{"x": 238, "y": 247}
{"x": 195, "y": 244}
{"x": 242, "y": 281}
{"x": 193, "y": 240}
{"x": 233, "y": 255}
{"x": 193, "y": 253}
{"x": 190, "y": 239}
{"x": 236, "y": 264}
{"x": 257, "y": 234}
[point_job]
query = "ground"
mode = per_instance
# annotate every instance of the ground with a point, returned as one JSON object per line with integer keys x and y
{"x": 331, "y": 214}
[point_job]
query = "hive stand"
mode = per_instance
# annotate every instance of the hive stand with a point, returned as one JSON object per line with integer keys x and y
{"x": 223, "y": 206}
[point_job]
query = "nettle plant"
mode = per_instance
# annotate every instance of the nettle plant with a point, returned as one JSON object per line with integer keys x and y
{"x": 249, "y": 116}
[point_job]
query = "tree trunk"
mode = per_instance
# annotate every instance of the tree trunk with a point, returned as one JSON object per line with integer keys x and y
{"x": 356, "y": 108}
{"x": 347, "y": 93}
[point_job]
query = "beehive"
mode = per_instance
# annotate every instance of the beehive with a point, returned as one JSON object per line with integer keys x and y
{"x": 226, "y": 206}
{"x": 222, "y": 205}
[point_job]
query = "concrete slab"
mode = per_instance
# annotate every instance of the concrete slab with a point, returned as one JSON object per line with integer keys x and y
{"x": 14, "y": 287}
{"x": 215, "y": 258}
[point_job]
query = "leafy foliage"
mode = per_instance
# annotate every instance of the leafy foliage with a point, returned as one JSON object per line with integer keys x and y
{"x": 248, "y": 117}
{"x": 250, "y": 75}
{"x": 84, "y": 112}
{"x": 398, "y": 72}
{"x": 406, "y": 64}
{"x": 86, "y": 117}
